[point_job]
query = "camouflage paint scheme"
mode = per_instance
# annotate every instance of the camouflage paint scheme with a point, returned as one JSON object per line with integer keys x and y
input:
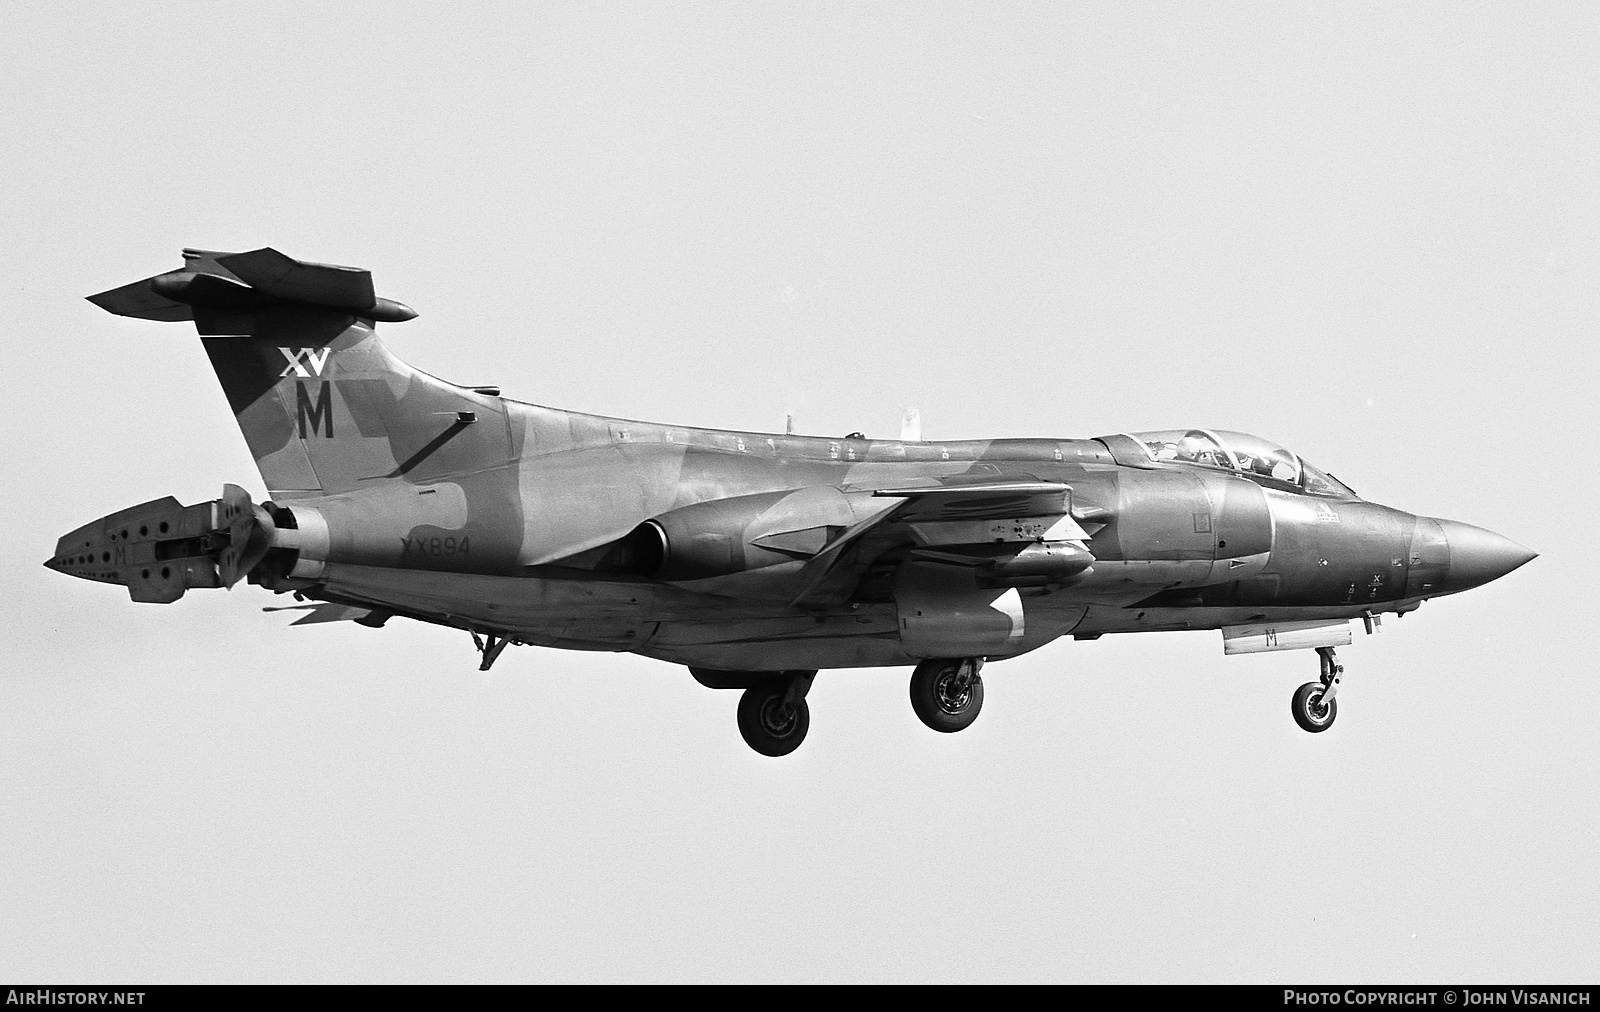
{"x": 394, "y": 493}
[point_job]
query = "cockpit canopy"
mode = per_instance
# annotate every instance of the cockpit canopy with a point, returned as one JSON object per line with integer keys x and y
{"x": 1263, "y": 462}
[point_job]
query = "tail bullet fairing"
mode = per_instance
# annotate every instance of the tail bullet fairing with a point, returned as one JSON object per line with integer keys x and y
{"x": 754, "y": 558}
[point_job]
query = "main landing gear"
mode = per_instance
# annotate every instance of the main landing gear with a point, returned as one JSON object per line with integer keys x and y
{"x": 774, "y": 718}
{"x": 947, "y": 693}
{"x": 1314, "y": 706}
{"x": 773, "y": 715}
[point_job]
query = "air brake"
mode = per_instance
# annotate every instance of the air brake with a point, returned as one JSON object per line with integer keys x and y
{"x": 162, "y": 548}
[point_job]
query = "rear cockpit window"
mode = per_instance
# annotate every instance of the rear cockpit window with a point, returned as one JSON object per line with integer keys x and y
{"x": 1265, "y": 463}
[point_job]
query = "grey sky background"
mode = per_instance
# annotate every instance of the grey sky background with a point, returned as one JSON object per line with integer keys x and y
{"x": 1365, "y": 231}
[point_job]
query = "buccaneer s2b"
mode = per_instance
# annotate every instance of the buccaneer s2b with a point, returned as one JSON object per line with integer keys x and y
{"x": 754, "y": 559}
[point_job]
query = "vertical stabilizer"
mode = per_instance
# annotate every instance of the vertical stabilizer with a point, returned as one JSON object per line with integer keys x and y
{"x": 323, "y": 405}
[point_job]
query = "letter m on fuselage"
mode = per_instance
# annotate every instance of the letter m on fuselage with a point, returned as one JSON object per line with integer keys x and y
{"x": 319, "y": 414}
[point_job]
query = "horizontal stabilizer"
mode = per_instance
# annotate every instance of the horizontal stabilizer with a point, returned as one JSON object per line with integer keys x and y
{"x": 140, "y": 301}
{"x": 271, "y": 273}
{"x": 245, "y": 282}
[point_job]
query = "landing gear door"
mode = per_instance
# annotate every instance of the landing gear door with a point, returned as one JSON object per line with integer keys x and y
{"x": 1269, "y": 636}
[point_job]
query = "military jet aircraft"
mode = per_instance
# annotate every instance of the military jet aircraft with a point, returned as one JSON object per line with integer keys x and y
{"x": 754, "y": 559}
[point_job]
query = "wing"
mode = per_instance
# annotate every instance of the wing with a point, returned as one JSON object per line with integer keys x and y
{"x": 955, "y": 521}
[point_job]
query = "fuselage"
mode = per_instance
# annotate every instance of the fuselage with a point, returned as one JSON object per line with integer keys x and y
{"x": 514, "y": 547}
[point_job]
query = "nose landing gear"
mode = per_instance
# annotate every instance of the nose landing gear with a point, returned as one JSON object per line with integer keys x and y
{"x": 1314, "y": 706}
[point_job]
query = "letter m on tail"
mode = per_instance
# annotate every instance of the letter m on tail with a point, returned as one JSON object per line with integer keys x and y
{"x": 318, "y": 413}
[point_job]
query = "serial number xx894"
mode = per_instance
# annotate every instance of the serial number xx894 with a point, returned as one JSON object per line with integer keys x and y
{"x": 435, "y": 546}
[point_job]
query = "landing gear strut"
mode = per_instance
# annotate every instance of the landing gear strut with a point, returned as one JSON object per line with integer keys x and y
{"x": 773, "y": 715}
{"x": 489, "y": 645}
{"x": 1314, "y": 706}
{"x": 947, "y": 694}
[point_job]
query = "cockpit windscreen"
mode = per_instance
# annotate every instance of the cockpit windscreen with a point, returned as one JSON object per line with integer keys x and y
{"x": 1263, "y": 462}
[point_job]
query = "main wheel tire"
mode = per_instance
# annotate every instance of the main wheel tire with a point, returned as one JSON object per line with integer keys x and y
{"x": 940, "y": 698}
{"x": 767, "y": 725}
{"x": 1310, "y": 712}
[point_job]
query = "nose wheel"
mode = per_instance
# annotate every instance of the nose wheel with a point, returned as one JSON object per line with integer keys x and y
{"x": 947, "y": 694}
{"x": 1314, "y": 706}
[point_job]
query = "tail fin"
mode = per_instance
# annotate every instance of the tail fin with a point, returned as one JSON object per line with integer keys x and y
{"x": 324, "y": 406}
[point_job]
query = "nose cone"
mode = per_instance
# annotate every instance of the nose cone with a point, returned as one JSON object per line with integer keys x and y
{"x": 1478, "y": 556}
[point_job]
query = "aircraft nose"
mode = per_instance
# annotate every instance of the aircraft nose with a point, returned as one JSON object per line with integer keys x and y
{"x": 1478, "y": 556}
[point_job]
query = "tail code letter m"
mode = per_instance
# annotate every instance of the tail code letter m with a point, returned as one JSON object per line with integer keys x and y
{"x": 320, "y": 414}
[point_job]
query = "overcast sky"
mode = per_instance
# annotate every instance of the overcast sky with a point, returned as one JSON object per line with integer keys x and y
{"x": 1365, "y": 231}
